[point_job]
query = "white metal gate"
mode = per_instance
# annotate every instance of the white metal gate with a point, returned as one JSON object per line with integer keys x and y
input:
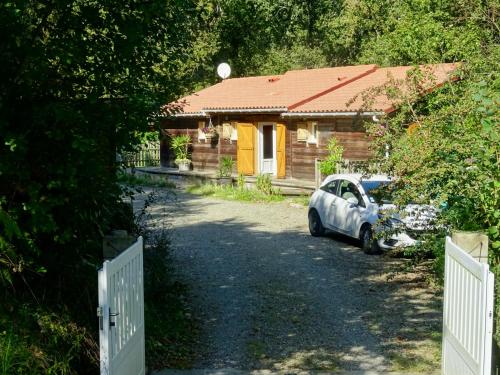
{"x": 467, "y": 315}
{"x": 121, "y": 313}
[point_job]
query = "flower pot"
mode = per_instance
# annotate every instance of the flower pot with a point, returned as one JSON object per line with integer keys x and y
{"x": 183, "y": 165}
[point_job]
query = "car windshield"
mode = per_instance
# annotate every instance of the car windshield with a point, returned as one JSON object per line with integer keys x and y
{"x": 377, "y": 192}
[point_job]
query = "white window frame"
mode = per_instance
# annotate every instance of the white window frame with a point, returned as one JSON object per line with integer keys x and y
{"x": 313, "y": 130}
{"x": 201, "y": 134}
{"x": 261, "y": 148}
{"x": 234, "y": 131}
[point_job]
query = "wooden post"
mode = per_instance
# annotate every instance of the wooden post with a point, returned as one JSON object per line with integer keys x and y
{"x": 317, "y": 173}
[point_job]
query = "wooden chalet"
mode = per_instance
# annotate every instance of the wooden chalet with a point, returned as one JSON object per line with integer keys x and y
{"x": 280, "y": 124}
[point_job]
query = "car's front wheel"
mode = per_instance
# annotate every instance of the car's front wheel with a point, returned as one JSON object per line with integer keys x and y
{"x": 315, "y": 225}
{"x": 368, "y": 243}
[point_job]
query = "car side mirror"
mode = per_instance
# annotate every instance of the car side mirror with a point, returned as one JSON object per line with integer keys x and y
{"x": 352, "y": 201}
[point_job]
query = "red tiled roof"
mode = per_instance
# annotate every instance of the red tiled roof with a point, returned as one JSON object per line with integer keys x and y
{"x": 313, "y": 90}
{"x": 349, "y": 98}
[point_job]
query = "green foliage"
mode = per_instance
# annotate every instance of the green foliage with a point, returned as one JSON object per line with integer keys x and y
{"x": 180, "y": 145}
{"x": 450, "y": 156}
{"x": 264, "y": 184}
{"x": 79, "y": 81}
{"x": 42, "y": 342}
{"x": 236, "y": 193}
{"x": 281, "y": 60}
{"x": 335, "y": 152}
{"x": 82, "y": 80}
{"x": 148, "y": 137}
{"x": 241, "y": 181}
{"x": 226, "y": 166}
{"x": 298, "y": 35}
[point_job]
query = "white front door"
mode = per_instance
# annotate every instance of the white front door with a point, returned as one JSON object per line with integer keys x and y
{"x": 267, "y": 148}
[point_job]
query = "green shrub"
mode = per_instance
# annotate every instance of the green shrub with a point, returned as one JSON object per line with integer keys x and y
{"x": 264, "y": 185}
{"x": 241, "y": 181}
{"x": 44, "y": 342}
{"x": 335, "y": 151}
{"x": 226, "y": 165}
{"x": 180, "y": 146}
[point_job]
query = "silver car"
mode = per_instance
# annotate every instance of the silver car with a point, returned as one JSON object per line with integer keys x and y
{"x": 344, "y": 204}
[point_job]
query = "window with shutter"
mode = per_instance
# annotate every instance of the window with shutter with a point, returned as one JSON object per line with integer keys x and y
{"x": 312, "y": 128}
{"x": 226, "y": 130}
{"x": 234, "y": 131}
{"x": 302, "y": 132}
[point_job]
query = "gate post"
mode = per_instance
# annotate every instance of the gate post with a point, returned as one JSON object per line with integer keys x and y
{"x": 103, "y": 315}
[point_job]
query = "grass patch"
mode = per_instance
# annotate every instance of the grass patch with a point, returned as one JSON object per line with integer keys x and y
{"x": 40, "y": 341}
{"x": 142, "y": 179}
{"x": 423, "y": 357}
{"x": 302, "y": 200}
{"x": 235, "y": 193}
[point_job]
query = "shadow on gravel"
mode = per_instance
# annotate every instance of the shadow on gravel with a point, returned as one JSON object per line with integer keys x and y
{"x": 289, "y": 301}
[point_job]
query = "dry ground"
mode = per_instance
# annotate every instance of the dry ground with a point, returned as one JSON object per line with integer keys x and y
{"x": 270, "y": 296}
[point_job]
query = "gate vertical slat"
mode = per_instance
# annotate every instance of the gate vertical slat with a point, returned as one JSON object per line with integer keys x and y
{"x": 467, "y": 314}
{"x": 490, "y": 298}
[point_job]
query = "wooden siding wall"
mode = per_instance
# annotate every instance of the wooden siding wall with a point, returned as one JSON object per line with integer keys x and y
{"x": 205, "y": 154}
{"x": 350, "y": 134}
{"x": 300, "y": 156}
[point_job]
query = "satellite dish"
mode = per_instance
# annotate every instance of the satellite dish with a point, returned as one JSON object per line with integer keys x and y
{"x": 224, "y": 70}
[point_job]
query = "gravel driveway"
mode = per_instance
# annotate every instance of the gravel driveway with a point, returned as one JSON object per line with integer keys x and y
{"x": 270, "y": 296}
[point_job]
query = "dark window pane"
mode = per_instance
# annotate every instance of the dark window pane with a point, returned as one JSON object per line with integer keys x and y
{"x": 267, "y": 135}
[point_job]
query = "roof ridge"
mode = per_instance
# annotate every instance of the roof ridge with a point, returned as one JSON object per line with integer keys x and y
{"x": 330, "y": 67}
{"x": 253, "y": 77}
{"x": 333, "y": 88}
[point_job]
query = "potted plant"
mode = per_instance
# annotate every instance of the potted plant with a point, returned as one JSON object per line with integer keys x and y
{"x": 226, "y": 165}
{"x": 180, "y": 145}
{"x": 210, "y": 132}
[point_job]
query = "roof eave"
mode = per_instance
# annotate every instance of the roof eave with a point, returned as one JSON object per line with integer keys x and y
{"x": 333, "y": 114}
{"x": 277, "y": 110}
{"x": 194, "y": 114}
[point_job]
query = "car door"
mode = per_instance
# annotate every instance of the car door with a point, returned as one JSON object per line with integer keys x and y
{"x": 348, "y": 216}
{"x": 327, "y": 203}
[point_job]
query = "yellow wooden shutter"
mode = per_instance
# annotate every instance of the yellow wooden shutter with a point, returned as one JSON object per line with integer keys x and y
{"x": 302, "y": 132}
{"x": 280, "y": 149}
{"x": 246, "y": 149}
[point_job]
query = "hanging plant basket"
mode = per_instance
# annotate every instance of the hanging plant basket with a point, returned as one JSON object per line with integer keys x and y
{"x": 210, "y": 135}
